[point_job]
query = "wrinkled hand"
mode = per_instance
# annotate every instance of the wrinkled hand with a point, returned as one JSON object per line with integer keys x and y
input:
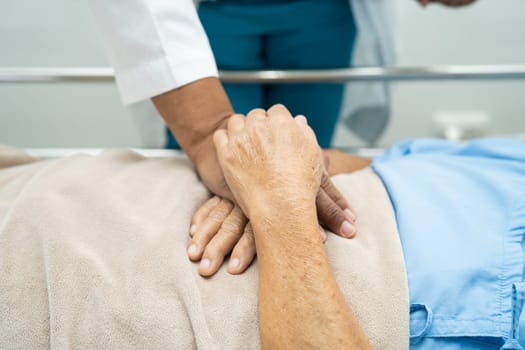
{"x": 452, "y": 3}
{"x": 332, "y": 209}
{"x": 269, "y": 156}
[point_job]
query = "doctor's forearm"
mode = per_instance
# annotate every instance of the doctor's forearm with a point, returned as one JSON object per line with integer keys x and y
{"x": 193, "y": 112}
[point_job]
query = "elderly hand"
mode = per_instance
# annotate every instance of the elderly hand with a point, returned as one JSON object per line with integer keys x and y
{"x": 269, "y": 156}
{"x": 333, "y": 210}
{"x": 219, "y": 227}
{"x": 452, "y": 3}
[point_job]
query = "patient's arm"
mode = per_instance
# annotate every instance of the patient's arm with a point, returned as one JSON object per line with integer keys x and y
{"x": 300, "y": 304}
{"x": 273, "y": 166}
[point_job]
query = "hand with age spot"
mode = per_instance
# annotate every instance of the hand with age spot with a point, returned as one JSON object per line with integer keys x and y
{"x": 220, "y": 228}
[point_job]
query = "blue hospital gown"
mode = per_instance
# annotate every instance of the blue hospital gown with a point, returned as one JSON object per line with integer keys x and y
{"x": 460, "y": 211}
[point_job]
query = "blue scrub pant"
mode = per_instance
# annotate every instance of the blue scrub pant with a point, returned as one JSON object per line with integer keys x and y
{"x": 292, "y": 34}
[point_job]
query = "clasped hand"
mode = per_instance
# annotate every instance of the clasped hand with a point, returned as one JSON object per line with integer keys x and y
{"x": 265, "y": 157}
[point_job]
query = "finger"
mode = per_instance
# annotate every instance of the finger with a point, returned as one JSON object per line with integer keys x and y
{"x": 222, "y": 243}
{"x": 333, "y": 217}
{"x": 278, "y": 110}
{"x": 202, "y": 213}
{"x": 235, "y": 124}
{"x": 301, "y": 119}
{"x": 208, "y": 229}
{"x": 243, "y": 253}
{"x": 255, "y": 115}
{"x": 329, "y": 188}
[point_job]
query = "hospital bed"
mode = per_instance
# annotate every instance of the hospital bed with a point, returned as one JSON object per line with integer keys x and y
{"x": 425, "y": 73}
{"x": 86, "y": 75}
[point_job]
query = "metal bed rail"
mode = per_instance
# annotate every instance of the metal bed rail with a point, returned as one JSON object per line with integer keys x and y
{"x": 427, "y": 73}
{"x": 55, "y": 153}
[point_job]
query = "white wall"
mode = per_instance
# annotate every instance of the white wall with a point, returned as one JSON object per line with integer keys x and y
{"x": 488, "y": 32}
{"x": 57, "y": 33}
{"x": 62, "y": 33}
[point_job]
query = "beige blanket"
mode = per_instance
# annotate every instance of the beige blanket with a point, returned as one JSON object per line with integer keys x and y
{"x": 93, "y": 256}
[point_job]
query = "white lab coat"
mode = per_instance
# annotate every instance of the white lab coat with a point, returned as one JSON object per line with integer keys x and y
{"x": 158, "y": 45}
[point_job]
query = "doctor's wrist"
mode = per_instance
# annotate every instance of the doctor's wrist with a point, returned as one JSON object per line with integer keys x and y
{"x": 193, "y": 112}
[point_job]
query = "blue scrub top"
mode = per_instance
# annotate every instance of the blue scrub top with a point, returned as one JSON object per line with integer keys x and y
{"x": 460, "y": 211}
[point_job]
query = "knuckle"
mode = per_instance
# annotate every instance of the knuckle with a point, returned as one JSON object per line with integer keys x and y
{"x": 331, "y": 213}
{"x": 230, "y": 227}
{"x": 221, "y": 212}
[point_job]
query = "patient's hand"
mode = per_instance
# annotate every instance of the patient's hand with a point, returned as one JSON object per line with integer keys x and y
{"x": 269, "y": 156}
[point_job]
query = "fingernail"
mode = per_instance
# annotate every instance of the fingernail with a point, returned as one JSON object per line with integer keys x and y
{"x": 347, "y": 229}
{"x": 349, "y": 215}
{"x": 234, "y": 263}
{"x": 192, "y": 249}
{"x": 205, "y": 264}
{"x": 193, "y": 228}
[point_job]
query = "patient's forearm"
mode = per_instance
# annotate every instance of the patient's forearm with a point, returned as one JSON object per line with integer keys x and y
{"x": 300, "y": 304}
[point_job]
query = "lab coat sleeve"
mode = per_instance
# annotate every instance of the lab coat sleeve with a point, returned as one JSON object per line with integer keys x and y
{"x": 154, "y": 46}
